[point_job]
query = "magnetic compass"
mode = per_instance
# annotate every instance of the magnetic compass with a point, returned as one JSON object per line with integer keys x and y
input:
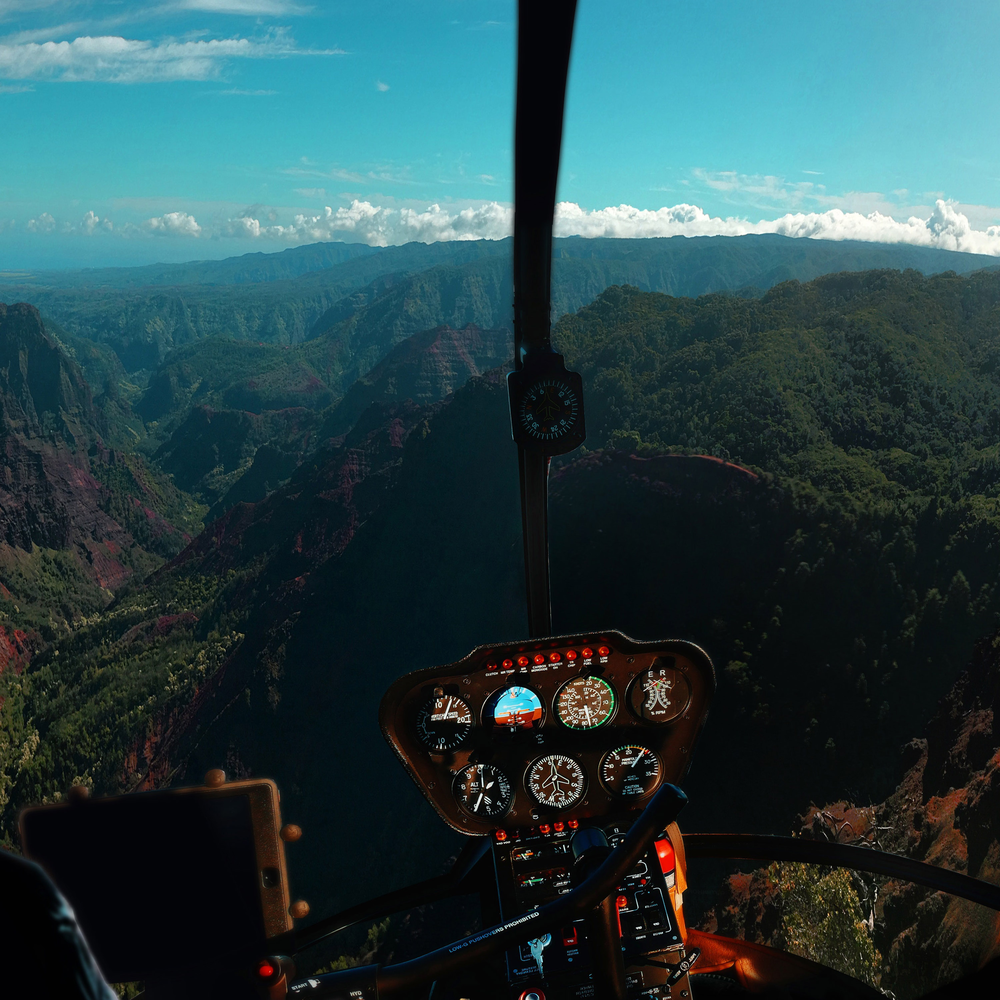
{"x": 549, "y": 409}
{"x": 546, "y": 405}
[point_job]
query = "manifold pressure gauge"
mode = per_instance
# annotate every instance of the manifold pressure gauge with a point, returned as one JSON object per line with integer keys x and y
{"x": 546, "y": 405}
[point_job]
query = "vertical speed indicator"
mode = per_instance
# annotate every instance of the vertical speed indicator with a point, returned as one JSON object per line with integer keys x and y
{"x": 444, "y": 722}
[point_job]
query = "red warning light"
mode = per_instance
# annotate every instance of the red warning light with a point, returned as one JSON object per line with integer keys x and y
{"x": 572, "y": 823}
{"x": 545, "y": 828}
{"x": 265, "y": 969}
{"x": 559, "y": 827}
{"x": 523, "y": 661}
{"x": 603, "y": 651}
{"x": 491, "y": 666}
{"x": 571, "y": 654}
{"x": 622, "y": 902}
{"x": 539, "y": 657}
{"x": 555, "y": 657}
{"x": 501, "y": 835}
{"x": 507, "y": 664}
{"x": 587, "y": 653}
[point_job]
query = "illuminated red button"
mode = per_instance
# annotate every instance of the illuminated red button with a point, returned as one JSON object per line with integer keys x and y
{"x": 587, "y": 653}
{"x": 507, "y": 664}
{"x": 571, "y": 654}
{"x": 603, "y": 651}
{"x": 501, "y": 835}
{"x": 523, "y": 661}
{"x": 555, "y": 657}
{"x": 265, "y": 969}
{"x": 572, "y": 823}
{"x": 665, "y": 852}
{"x": 559, "y": 827}
{"x": 622, "y": 902}
{"x": 545, "y": 828}
{"x": 539, "y": 657}
{"x": 491, "y": 666}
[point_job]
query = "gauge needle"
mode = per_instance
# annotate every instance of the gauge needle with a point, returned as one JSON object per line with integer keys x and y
{"x": 479, "y": 802}
{"x": 638, "y": 757}
{"x": 586, "y": 709}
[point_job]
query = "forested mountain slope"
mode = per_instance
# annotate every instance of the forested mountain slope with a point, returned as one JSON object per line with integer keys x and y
{"x": 78, "y": 518}
{"x": 839, "y": 582}
{"x": 143, "y": 313}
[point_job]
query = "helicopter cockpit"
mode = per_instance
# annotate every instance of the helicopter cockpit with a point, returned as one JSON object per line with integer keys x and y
{"x": 558, "y": 757}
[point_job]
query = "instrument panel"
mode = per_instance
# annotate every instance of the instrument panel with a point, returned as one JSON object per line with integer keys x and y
{"x": 549, "y": 731}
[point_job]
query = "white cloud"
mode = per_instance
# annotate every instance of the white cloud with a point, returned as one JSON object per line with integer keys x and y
{"x": 174, "y": 224}
{"x": 113, "y": 59}
{"x": 91, "y": 223}
{"x": 381, "y": 87}
{"x": 43, "y": 224}
{"x": 380, "y": 226}
{"x": 16, "y": 88}
{"x": 235, "y": 92}
{"x": 311, "y": 192}
{"x": 947, "y": 228}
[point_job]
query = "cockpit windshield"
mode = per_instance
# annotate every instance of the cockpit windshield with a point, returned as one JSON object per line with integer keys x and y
{"x": 259, "y": 300}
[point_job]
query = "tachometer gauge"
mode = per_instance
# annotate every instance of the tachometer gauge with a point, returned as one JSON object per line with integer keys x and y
{"x": 515, "y": 707}
{"x": 444, "y": 722}
{"x": 483, "y": 790}
{"x": 630, "y": 771}
{"x": 556, "y": 780}
{"x": 660, "y": 693}
{"x": 585, "y": 703}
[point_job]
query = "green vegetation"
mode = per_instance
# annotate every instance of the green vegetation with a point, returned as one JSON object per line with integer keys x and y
{"x": 96, "y": 703}
{"x": 821, "y": 919}
{"x": 875, "y": 384}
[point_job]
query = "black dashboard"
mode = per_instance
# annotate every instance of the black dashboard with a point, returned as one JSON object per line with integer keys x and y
{"x": 546, "y": 733}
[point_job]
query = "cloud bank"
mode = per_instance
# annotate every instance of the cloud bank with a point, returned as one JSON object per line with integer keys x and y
{"x": 947, "y": 228}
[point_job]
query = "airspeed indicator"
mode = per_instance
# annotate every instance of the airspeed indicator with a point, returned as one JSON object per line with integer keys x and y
{"x": 585, "y": 703}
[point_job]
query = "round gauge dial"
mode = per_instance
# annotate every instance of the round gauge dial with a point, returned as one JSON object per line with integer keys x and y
{"x": 444, "y": 722}
{"x": 483, "y": 790}
{"x": 585, "y": 703}
{"x": 549, "y": 409}
{"x": 660, "y": 693}
{"x": 630, "y": 771}
{"x": 556, "y": 780}
{"x": 515, "y": 707}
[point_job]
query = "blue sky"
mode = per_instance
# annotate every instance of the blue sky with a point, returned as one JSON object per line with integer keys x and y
{"x": 179, "y": 129}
